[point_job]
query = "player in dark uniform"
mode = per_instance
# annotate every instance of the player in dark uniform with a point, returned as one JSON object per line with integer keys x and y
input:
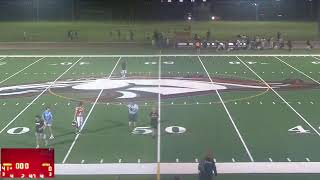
{"x": 154, "y": 120}
{"x": 39, "y": 131}
{"x": 124, "y": 69}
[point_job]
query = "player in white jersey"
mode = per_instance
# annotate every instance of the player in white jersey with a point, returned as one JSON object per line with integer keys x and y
{"x": 133, "y": 114}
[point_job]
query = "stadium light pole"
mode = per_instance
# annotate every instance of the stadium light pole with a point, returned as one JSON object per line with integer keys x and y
{"x": 256, "y": 5}
{"x": 37, "y": 10}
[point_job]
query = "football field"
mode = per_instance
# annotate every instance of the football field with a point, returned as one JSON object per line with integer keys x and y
{"x": 258, "y": 114}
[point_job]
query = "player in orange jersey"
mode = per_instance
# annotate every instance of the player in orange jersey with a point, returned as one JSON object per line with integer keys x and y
{"x": 78, "y": 117}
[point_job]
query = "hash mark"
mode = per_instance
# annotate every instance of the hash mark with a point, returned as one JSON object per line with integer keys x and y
{"x": 299, "y": 102}
{"x": 273, "y": 102}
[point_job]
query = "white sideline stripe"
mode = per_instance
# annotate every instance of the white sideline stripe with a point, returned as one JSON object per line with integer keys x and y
{"x": 298, "y": 70}
{"x": 314, "y": 129}
{"x": 187, "y": 168}
{"x": 88, "y": 115}
{"x": 21, "y": 70}
{"x": 52, "y": 83}
{"x": 231, "y": 119}
{"x": 159, "y": 114}
{"x": 167, "y": 55}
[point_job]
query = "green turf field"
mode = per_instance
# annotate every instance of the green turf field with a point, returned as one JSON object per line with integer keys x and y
{"x": 258, "y": 114}
{"x": 92, "y": 31}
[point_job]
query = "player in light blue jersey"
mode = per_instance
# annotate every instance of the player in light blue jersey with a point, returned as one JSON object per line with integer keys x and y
{"x": 133, "y": 114}
{"x": 48, "y": 118}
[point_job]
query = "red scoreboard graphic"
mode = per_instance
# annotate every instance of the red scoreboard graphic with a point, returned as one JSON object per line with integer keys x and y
{"x": 27, "y": 163}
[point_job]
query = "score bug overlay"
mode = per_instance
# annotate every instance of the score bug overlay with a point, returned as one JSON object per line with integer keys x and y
{"x": 27, "y": 163}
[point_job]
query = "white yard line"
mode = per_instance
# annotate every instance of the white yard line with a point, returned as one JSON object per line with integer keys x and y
{"x": 159, "y": 119}
{"x": 88, "y": 115}
{"x": 52, "y": 83}
{"x": 187, "y": 168}
{"x": 313, "y": 128}
{"x": 230, "y": 117}
{"x": 21, "y": 70}
{"x": 159, "y": 113}
{"x": 298, "y": 70}
{"x": 168, "y": 55}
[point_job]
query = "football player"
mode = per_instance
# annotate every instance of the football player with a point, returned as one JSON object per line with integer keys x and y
{"x": 48, "y": 118}
{"x": 133, "y": 114}
{"x": 124, "y": 69}
{"x": 39, "y": 131}
{"x": 154, "y": 120}
{"x": 78, "y": 117}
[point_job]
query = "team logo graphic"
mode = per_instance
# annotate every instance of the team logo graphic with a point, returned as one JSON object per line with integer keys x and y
{"x": 142, "y": 88}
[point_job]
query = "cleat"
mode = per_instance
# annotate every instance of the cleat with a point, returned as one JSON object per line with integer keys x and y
{"x": 51, "y": 137}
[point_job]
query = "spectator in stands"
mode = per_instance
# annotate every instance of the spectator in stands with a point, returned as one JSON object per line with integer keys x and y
{"x": 278, "y": 36}
{"x": 69, "y": 34}
{"x": 207, "y": 168}
{"x": 309, "y": 45}
{"x": 281, "y": 43}
{"x": 271, "y": 43}
{"x": 76, "y": 35}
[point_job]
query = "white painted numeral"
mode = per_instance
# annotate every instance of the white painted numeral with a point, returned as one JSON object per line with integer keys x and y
{"x": 299, "y": 129}
{"x": 315, "y": 62}
{"x": 18, "y": 130}
{"x": 66, "y": 63}
{"x": 142, "y": 130}
{"x": 175, "y": 130}
{"x": 234, "y": 62}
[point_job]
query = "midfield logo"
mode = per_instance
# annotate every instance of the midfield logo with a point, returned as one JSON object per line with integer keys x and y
{"x": 142, "y": 88}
